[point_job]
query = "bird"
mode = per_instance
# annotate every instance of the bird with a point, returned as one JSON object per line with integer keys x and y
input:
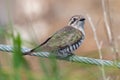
{"x": 64, "y": 41}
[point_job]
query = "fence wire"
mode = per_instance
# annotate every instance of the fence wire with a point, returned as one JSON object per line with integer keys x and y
{"x": 74, "y": 58}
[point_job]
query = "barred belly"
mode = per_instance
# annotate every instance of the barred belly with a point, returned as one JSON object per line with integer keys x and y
{"x": 66, "y": 51}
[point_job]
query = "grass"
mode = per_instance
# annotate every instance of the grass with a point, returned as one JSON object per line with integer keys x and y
{"x": 20, "y": 69}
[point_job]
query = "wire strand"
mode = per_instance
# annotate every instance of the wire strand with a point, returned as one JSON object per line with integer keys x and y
{"x": 74, "y": 58}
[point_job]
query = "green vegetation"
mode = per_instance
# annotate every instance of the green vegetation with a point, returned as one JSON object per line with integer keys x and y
{"x": 20, "y": 69}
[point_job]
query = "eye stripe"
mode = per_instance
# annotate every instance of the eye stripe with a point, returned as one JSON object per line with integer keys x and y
{"x": 73, "y": 20}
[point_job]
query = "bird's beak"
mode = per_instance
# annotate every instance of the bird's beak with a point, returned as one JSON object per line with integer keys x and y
{"x": 82, "y": 19}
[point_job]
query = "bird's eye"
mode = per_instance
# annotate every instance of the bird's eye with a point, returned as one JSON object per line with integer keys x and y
{"x": 74, "y": 19}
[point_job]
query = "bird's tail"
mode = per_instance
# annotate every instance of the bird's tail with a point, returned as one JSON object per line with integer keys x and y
{"x": 31, "y": 51}
{"x": 34, "y": 49}
{"x": 28, "y": 52}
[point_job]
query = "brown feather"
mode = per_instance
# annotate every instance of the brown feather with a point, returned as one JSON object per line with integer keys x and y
{"x": 64, "y": 37}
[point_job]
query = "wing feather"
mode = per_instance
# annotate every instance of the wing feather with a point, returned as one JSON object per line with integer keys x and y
{"x": 64, "y": 37}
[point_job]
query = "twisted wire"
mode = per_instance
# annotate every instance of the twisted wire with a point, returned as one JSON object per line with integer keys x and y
{"x": 74, "y": 58}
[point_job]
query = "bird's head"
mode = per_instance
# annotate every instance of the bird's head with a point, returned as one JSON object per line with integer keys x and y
{"x": 77, "y": 21}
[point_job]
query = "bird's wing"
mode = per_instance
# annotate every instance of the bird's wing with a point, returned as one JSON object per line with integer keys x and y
{"x": 64, "y": 37}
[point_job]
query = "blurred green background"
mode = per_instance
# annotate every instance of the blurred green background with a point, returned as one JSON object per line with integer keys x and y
{"x": 30, "y": 22}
